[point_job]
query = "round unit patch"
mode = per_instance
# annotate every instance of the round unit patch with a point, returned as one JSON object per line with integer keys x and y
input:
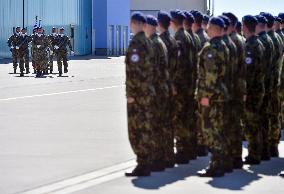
{"x": 248, "y": 60}
{"x": 135, "y": 58}
{"x": 210, "y": 55}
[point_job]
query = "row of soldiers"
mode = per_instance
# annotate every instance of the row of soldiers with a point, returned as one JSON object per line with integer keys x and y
{"x": 43, "y": 50}
{"x": 204, "y": 89}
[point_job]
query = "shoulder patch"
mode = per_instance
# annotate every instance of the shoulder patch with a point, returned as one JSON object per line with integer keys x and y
{"x": 210, "y": 55}
{"x": 135, "y": 58}
{"x": 248, "y": 60}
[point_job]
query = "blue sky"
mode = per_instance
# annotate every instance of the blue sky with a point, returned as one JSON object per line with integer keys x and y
{"x": 244, "y": 7}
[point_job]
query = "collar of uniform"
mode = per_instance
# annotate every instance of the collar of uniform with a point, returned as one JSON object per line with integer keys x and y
{"x": 153, "y": 36}
{"x": 166, "y": 33}
{"x": 253, "y": 37}
{"x": 200, "y": 30}
{"x": 262, "y": 33}
{"x": 139, "y": 34}
{"x": 190, "y": 31}
{"x": 216, "y": 39}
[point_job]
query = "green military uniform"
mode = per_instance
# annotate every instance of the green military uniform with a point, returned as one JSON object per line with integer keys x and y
{"x": 181, "y": 80}
{"x": 203, "y": 37}
{"x": 161, "y": 112}
{"x": 265, "y": 118}
{"x": 212, "y": 85}
{"x": 61, "y": 52}
{"x": 139, "y": 85}
{"x": 24, "y": 53}
{"x": 229, "y": 116}
{"x": 13, "y": 43}
{"x": 172, "y": 48}
{"x": 275, "y": 107}
{"x": 255, "y": 93}
{"x": 53, "y": 38}
{"x": 40, "y": 44}
{"x": 238, "y": 92}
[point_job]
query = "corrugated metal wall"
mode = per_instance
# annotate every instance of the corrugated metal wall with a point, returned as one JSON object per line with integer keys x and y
{"x": 66, "y": 13}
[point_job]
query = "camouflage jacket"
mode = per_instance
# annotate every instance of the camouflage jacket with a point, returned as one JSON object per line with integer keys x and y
{"x": 172, "y": 48}
{"x": 53, "y": 38}
{"x": 255, "y": 73}
{"x": 203, "y": 37}
{"x": 24, "y": 42}
{"x": 139, "y": 68}
{"x": 212, "y": 61}
{"x": 184, "y": 75}
{"x": 40, "y": 44}
{"x": 14, "y": 40}
{"x": 160, "y": 62}
{"x": 239, "y": 70}
{"x": 268, "y": 53}
{"x": 62, "y": 42}
{"x": 277, "y": 61}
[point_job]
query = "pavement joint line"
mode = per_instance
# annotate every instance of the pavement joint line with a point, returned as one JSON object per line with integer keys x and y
{"x": 85, "y": 181}
{"x": 60, "y": 93}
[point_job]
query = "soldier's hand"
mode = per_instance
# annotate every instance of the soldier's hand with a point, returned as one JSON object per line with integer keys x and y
{"x": 12, "y": 47}
{"x": 130, "y": 100}
{"x": 204, "y": 102}
{"x": 245, "y": 98}
{"x": 17, "y": 47}
{"x": 56, "y": 47}
{"x": 51, "y": 52}
{"x": 174, "y": 91}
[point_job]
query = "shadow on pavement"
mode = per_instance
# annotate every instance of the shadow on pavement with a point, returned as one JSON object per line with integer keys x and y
{"x": 158, "y": 180}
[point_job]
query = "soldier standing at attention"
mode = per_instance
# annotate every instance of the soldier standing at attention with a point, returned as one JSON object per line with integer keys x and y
{"x": 193, "y": 107}
{"x": 40, "y": 44}
{"x": 238, "y": 92}
{"x": 24, "y": 52}
{"x": 140, "y": 93}
{"x": 229, "y": 116}
{"x": 255, "y": 89}
{"x": 197, "y": 27}
{"x": 61, "y": 51}
{"x": 164, "y": 21}
{"x": 181, "y": 81}
{"x": 53, "y": 37}
{"x": 267, "y": 60}
{"x": 13, "y": 43}
{"x": 213, "y": 94}
{"x": 275, "y": 106}
{"x": 161, "y": 101}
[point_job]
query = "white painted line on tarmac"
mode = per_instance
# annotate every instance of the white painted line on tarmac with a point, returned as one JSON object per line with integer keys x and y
{"x": 60, "y": 93}
{"x": 85, "y": 181}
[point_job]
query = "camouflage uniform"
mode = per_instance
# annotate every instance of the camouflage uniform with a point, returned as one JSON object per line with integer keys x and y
{"x": 53, "y": 38}
{"x": 202, "y": 150}
{"x": 172, "y": 48}
{"x": 255, "y": 93}
{"x": 229, "y": 115}
{"x": 24, "y": 53}
{"x": 40, "y": 46}
{"x": 237, "y": 103}
{"x": 161, "y": 102}
{"x": 212, "y": 85}
{"x": 181, "y": 80}
{"x": 281, "y": 34}
{"x": 265, "y": 118}
{"x": 61, "y": 52}
{"x": 139, "y": 85}
{"x": 14, "y": 41}
{"x": 275, "y": 107}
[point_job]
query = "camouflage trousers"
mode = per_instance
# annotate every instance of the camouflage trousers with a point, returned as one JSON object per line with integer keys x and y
{"x": 233, "y": 125}
{"x": 62, "y": 56}
{"x": 181, "y": 131}
{"x": 140, "y": 131}
{"x": 24, "y": 60}
{"x": 265, "y": 124}
{"x": 15, "y": 55}
{"x": 40, "y": 60}
{"x": 51, "y": 59}
{"x": 215, "y": 134}
{"x": 253, "y": 126}
{"x": 163, "y": 149}
{"x": 275, "y": 116}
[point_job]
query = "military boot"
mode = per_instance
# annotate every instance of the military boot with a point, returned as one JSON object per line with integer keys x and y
{"x": 211, "y": 172}
{"x": 140, "y": 170}
{"x": 274, "y": 151}
{"x": 238, "y": 163}
{"x": 158, "y": 166}
{"x": 252, "y": 161}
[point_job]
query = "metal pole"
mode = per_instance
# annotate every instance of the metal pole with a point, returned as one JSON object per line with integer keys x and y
{"x": 23, "y": 13}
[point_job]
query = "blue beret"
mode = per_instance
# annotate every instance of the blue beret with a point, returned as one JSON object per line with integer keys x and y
{"x": 62, "y": 28}
{"x": 270, "y": 18}
{"x": 151, "y": 20}
{"x": 233, "y": 18}
{"x": 164, "y": 17}
{"x": 178, "y": 15}
{"x": 138, "y": 16}
{"x": 206, "y": 18}
{"x": 239, "y": 25}
{"x": 197, "y": 15}
{"x": 217, "y": 21}
{"x": 278, "y": 19}
{"x": 261, "y": 19}
{"x": 226, "y": 20}
{"x": 189, "y": 17}
{"x": 249, "y": 19}
{"x": 281, "y": 15}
